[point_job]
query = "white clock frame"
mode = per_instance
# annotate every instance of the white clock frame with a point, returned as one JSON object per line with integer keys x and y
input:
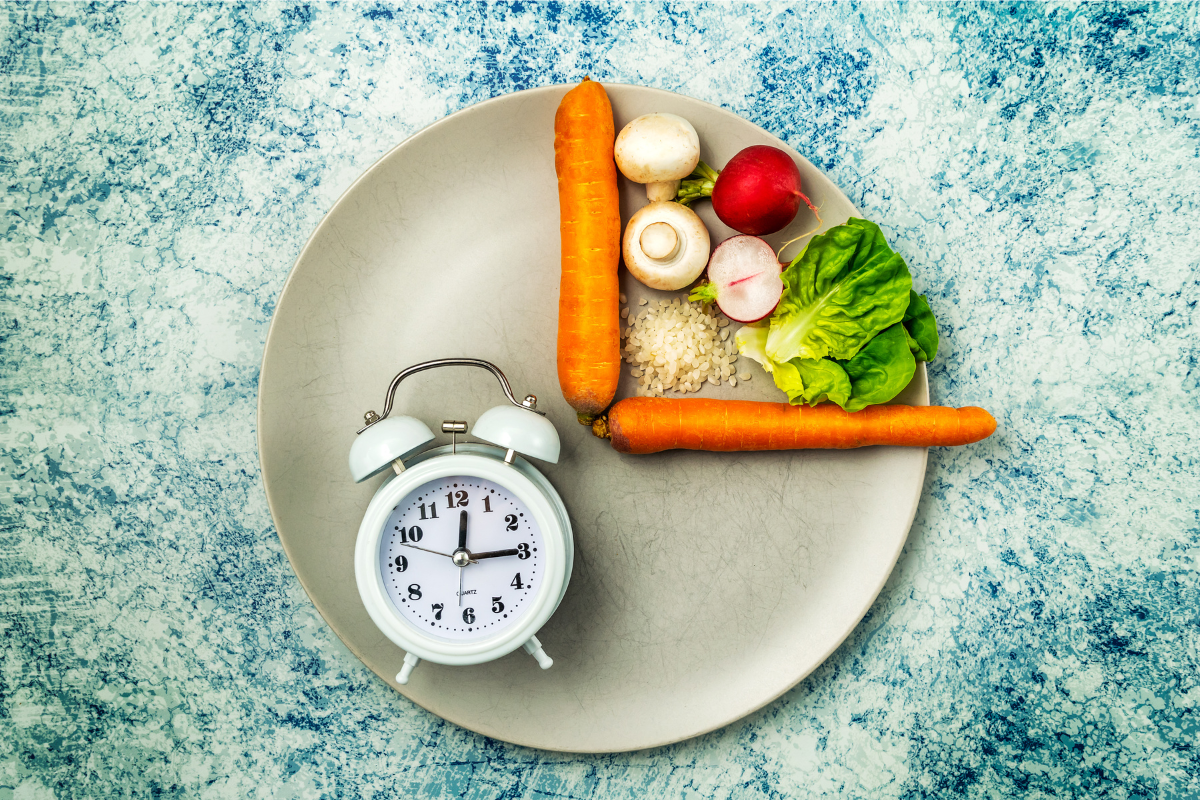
{"x": 395, "y": 441}
{"x": 527, "y": 485}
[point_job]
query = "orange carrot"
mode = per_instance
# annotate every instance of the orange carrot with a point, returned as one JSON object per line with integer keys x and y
{"x": 589, "y": 334}
{"x": 653, "y": 424}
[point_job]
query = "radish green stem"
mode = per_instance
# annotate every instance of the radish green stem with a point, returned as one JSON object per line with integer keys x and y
{"x": 697, "y": 185}
{"x": 704, "y": 293}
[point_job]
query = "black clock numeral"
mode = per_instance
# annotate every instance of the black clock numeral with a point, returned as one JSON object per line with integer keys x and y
{"x": 487, "y": 504}
{"x": 437, "y": 610}
{"x": 412, "y": 534}
{"x": 432, "y": 511}
{"x": 468, "y": 615}
{"x": 511, "y": 519}
{"x": 516, "y": 582}
{"x": 414, "y": 591}
{"x": 454, "y": 499}
{"x": 401, "y": 563}
{"x": 523, "y": 551}
{"x": 497, "y": 606}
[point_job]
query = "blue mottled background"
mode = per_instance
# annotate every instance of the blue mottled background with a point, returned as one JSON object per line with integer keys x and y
{"x": 1038, "y": 166}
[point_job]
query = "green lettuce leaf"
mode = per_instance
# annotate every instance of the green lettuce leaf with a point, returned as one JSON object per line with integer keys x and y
{"x": 813, "y": 380}
{"x": 751, "y": 342}
{"x": 880, "y": 370}
{"x": 921, "y": 327}
{"x": 849, "y": 297}
{"x": 845, "y": 287}
{"x": 875, "y": 375}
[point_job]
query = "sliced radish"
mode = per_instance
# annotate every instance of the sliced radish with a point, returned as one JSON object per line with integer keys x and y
{"x": 744, "y": 279}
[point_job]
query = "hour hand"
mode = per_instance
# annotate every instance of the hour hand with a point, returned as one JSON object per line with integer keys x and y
{"x": 495, "y": 554}
{"x": 462, "y": 530}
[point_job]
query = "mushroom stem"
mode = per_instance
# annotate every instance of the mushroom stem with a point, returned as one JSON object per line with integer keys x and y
{"x": 660, "y": 241}
{"x": 661, "y": 191}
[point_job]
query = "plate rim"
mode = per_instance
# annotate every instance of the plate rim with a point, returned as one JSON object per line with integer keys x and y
{"x": 431, "y": 129}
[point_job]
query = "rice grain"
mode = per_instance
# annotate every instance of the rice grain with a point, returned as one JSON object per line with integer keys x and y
{"x": 678, "y": 346}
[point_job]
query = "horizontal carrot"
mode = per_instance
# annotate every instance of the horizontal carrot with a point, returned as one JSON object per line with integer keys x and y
{"x": 654, "y": 424}
{"x": 589, "y": 332}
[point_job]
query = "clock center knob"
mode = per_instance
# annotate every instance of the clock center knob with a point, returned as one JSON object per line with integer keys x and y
{"x": 461, "y": 558}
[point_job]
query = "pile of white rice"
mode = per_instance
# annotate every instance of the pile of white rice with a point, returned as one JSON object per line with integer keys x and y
{"x": 677, "y": 346}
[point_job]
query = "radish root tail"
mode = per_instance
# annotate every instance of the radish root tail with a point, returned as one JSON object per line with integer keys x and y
{"x": 816, "y": 212}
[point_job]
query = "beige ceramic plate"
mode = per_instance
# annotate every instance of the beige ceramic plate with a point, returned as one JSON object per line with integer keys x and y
{"x": 705, "y": 585}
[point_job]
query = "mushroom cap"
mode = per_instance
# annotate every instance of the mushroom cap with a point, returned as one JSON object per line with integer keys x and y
{"x": 683, "y": 264}
{"x": 657, "y": 147}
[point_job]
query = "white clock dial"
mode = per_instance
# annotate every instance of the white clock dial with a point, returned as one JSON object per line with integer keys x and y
{"x": 420, "y": 576}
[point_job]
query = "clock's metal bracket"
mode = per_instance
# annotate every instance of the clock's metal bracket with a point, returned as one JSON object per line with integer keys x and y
{"x": 454, "y": 427}
{"x": 529, "y": 404}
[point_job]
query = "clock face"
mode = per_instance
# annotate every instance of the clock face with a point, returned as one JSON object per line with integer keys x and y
{"x": 493, "y": 589}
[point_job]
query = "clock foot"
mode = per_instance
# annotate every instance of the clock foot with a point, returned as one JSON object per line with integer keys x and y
{"x": 534, "y": 648}
{"x": 410, "y": 661}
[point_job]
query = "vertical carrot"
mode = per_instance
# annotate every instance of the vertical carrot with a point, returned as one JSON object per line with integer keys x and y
{"x": 654, "y": 424}
{"x": 589, "y": 336}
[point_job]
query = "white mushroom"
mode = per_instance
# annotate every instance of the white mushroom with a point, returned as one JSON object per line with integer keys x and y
{"x": 665, "y": 246}
{"x": 658, "y": 150}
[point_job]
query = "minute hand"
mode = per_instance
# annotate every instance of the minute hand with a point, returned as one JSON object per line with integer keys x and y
{"x": 495, "y": 554}
{"x": 427, "y": 550}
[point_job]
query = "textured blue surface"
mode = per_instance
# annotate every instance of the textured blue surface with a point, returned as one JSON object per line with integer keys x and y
{"x": 1039, "y": 168}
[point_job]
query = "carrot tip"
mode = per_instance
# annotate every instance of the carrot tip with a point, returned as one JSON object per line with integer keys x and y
{"x": 987, "y": 423}
{"x": 600, "y": 428}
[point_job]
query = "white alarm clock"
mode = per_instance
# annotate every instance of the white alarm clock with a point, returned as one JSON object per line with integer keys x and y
{"x": 466, "y": 551}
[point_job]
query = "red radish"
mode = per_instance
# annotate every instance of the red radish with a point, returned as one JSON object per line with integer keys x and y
{"x": 744, "y": 279}
{"x": 757, "y": 193}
